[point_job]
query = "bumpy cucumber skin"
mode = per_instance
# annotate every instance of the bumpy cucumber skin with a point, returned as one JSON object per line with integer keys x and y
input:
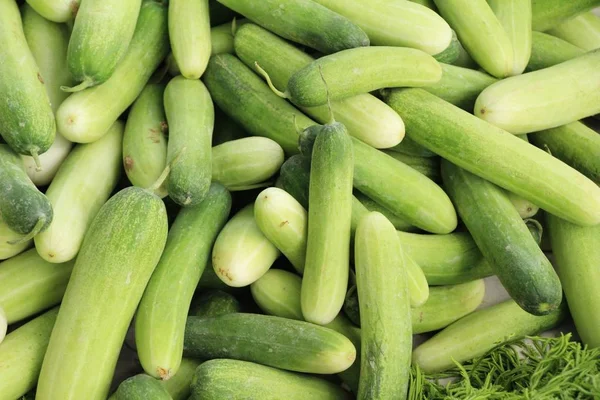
{"x": 191, "y": 118}
{"x": 56, "y": 10}
{"x": 179, "y": 386}
{"x": 214, "y": 303}
{"x": 295, "y": 345}
{"x": 161, "y": 315}
{"x": 304, "y": 22}
{"x": 7, "y": 235}
{"x": 118, "y": 255}
{"x": 87, "y": 115}
{"x": 26, "y": 116}
{"x": 547, "y": 14}
{"x": 582, "y": 31}
{"x": 515, "y": 17}
{"x": 141, "y": 387}
{"x": 498, "y": 156}
{"x": 547, "y": 50}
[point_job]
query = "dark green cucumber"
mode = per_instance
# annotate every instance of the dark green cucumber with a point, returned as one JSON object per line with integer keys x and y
{"x": 141, "y": 387}
{"x": 214, "y": 303}
{"x": 548, "y": 50}
{"x": 295, "y": 177}
{"x": 371, "y": 205}
{"x": 451, "y": 53}
{"x": 547, "y": 14}
{"x": 56, "y": 10}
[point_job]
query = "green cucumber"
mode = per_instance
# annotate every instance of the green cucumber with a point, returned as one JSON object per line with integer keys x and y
{"x": 214, "y": 303}
{"x": 3, "y": 325}
{"x": 179, "y": 386}
{"x": 547, "y": 50}
{"x": 144, "y": 140}
{"x": 189, "y": 32}
{"x": 56, "y": 10}
{"x": 451, "y": 53}
{"x": 515, "y": 17}
{"x": 525, "y": 208}
{"x": 304, "y": 22}
{"x": 418, "y": 287}
{"x": 396, "y": 23}
{"x": 119, "y": 252}
{"x": 577, "y": 253}
{"x": 582, "y": 31}
{"x": 82, "y": 185}
{"x": 278, "y": 293}
{"x": 273, "y": 341}
{"x": 410, "y": 147}
{"x": 233, "y": 379}
{"x": 22, "y": 353}
{"x": 481, "y": 33}
{"x": 427, "y": 3}
{"x": 381, "y": 281}
{"x": 7, "y": 238}
{"x": 428, "y": 166}
{"x": 547, "y": 14}
{"x": 241, "y": 253}
{"x": 191, "y": 118}
{"x": 371, "y": 205}
{"x": 101, "y": 34}
{"x": 248, "y": 100}
{"x": 328, "y": 241}
{"x": 498, "y": 156}
{"x": 210, "y": 280}
{"x": 161, "y": 315}
{"x": 483, "y": 329}
{"x": 26, "y": 116}
{"x": 245, "y": 162}
{"x": 87, "y": 115}
{"x": 295, "y": 176}
{"x": 30, "y": 285}
{"x": 141, "y": 387}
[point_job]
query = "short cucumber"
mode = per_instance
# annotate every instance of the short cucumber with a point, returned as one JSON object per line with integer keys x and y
{"x": 371, "y": 205}
{"x": 381, "y": 280}
{"x": 515, "y": 17}
{"x": 498, "y": 156}
{"x": 547, "y": 50}
{"x": 161, "y": 315}
{"x": 179, "y": 386}
{"x": 547, "y": 14}
{"x": 8, "y": 236}
{"x": 56, "y": 10}
{"x": 234, "y": 379}
{"x": 428, "y": 166}
{"x": 191, "y": 118}
{"x": 273, "y": 341}
{"x": 31, "y": 285}
{"x": 87, "y": 115}
{"x": 141, "y": 387}
{"x": 119, "y": 252}
{"x": 303, "y": 21}
{"x": 101, "y": 34}
{"x": 582, "y": 31}
{"x": 213, "y": 303}
{"x": 82, "y": 185}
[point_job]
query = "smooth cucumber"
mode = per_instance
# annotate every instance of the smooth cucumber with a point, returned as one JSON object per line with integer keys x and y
{"x": 118, "y": 255}
{"x": 515, "y": 17}
{"x": 582, "y": 31}
{"x": 56, "y": 10}
{"x": 525, "y": 208}
{"x": 428, "y": 166}
{"x": 213, "y": 303}
{"x": 179, "y": 386}
{"x": 451, "y": 53}
{"x": 547, "y": 14}
{"x": 295, "y": 175}
{"x": 3, "y": 325}
{"x": 8, "y": 236}
{"x": 371, "y": 205}
{"x": 412, "y": 148}
{"x": 547, "y": 50}
{"x": 141, "y": 387}
{"x": 82, "y": 185}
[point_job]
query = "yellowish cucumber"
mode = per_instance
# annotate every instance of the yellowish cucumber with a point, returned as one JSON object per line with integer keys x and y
{"x": 56, "y": 10}
{"x": 582, "y": 31}
{"x": 548, "y": 50}
{"x": 547, "y": 14}
{"x": 371, "y": 205}
{"x": 515, "y": 17}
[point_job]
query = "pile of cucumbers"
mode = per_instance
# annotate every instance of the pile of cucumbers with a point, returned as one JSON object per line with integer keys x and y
{"x": 268, "y": 199}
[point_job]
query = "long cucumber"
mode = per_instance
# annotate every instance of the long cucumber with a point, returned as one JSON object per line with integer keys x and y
{"x": 515, "y": 17}
{"x": 56, "y": 10}
{"x": 582, "y": 31}
{"x": 547, "y": 50}
{"x": 547, "y": 14}
{"x": 214, "y": 303}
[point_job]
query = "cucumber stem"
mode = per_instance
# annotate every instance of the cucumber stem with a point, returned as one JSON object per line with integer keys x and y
{"x": 233, "y": 26}
{"x": 331, "y": 116}
{"x": 87, "y": 82}
{"x": 36, "y": 159}
{"x": 283, "y": 95}
{"x": 39, "y": 225}
{"x": 165, "y": 173}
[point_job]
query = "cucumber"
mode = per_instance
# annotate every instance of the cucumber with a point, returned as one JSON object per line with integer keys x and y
{"x": 56, "y": 10}
{"x": 101, "y": 34}
{"x": 273, "y": 341}
{"x": 82, "y": 185}
{"x": 117, "y": 257}
{"x": 418, "y": 288}
{"x": 226, "y": 129}
{"x": 189, "y": 32}
{"x": 381, "y": 281}
{"x": 31, "y": 285}
{"x": 244, "y": 162}
{"x": 141, "y": 387}
{"x": 525, "y": 208}
{"x": 144, "y": 140}
{"x": 233, "y": 379}
{"x": 481, "y": 33}
{"x": 278, "y": 293}
{"x": 23, "y": 208}
{"x": 582, "y": 31}
{"x": 248, "y": 100}
{"x": 371, "y": 205}
{"x": 3, "y": 325}
{"x": 498, "y": 156}
{"x": 574, "y": 144}
{"x": 241, "y": 253}
{"x": 161, "y": 315}
{"x": 547, "y": 14}
{"x": 295, "y": 176}
{"x": 328, "y": 241}
{"x": 500, "y": 322}
{"x": 304, "y": 22}
{"x": 428, "y": 166}
{"x": 179, "y": 386}
{"x": 210, "y": 280}
{"x": 87, "y": 115}
{"x": 427, "y": 3}
{"x": 393, "y": 23}
{"x": 451, "y": 53}
{"x": 412, "y": 148}
{"x": 547, "y": 50}
{"x": 191, "y": 118}
{"x": 214, "y": 303}
{"x": 26, "y": 116}
{"x": 515, "y": 17}
{"x": 8, "y": 236}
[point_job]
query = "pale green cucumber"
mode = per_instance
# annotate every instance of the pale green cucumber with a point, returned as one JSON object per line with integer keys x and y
{"x": 547, "y": 14}
{"x": 412, "y": 148}
{"x": 120, "y": 250}
{"x": 30, "y": 285}
{"x": 56, "y": 10}
{"x": 179, "y": 386}
{"x": 189, "y": 32}
{"x": 418, "y": 288}
{"x": 547, "y": 50}
{"x": 141, "y": 387}
{"x": 498, "y": 156}
{"x": 451, "y": 54}
{"x": 213, "y": 303}
{"x": 220, "y": 14}
{"x": 371, "y": 205}
{"x": 582, "y": 31}
{"x": 427, "y": 3}
{"x": 278, "y": 293}
{"x": 428, "y": 166}
{"x": 515, "y": 17}
{"x": 82, "y": 185}
{"x": 163, "y": 310}
{"x": 525, "y": 208}
{"x": 241, "y": 253}
{"x": 87, "y": 115}
{"x": 481, "y": 33}
{"x": 8, "y": 250}
{"x": 3, "y": 324}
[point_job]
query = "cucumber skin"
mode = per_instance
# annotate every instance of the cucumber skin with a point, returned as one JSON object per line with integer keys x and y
{"x": 410, "y": 147}
{"x": 371, "y": 205}
{"x": 428, "y": 166}
{"x": 295, "y": 177}
{"x": 582, "y": 31}
{"x": 141, "y": 387}
{"x": 547, "y": 50}
{"x": 547, "y": 14}
{"x": 120, "y": 250}
{"x": 214, "y": 303}
{"x": 304, "y": 22}
{"x": 515, "y": 17}
{"x": 451, "y": 53}
{"x": 8, "y": 235}
{"x": 191, "y": 118}
{"x": 498, "y": 156}
{"x": 55, "y": 10}
{"x": 295, "y": 345}
{"x": 179, "y": 386}
{"x": 161, "y": 315}
{"x": 26, "y": 116}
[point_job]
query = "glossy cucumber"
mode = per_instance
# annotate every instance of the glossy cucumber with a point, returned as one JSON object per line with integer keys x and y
{"x": 515, "y": 17}
{"x": 7, "y": 237}
{"x": 56, "y": 10}
{"x": 141, "y": 387}
{"x": 179, "y": 386}
{"x": 547, "y": 14}
{"x": 582, "y": 31}
{"x": 214, "y": 303}
{"x": 371, "y": 205}
{"x": 547, "y": 50}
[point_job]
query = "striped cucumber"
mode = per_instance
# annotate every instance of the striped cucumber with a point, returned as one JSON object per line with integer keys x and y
{"x": 496, "y": 155}
{"x": 515, "y": 17}
{"x": 161, "y": 315}
{"x": 101, "y": 34}
{"x": 120, "y": 250}
{"x": 191, "y": 118}
{"x": 141, "y": 387}
{"x": 213, "y": 303}
{"x": 547, "y": 14}
{"x": 547, "y": 50}
{"x": 381, "y": 281}
{"x": 87, "y": 115}
{"x": 582, "y": 31}
{"x": 26, "y": 116}
{"x": 371, "y": 205}
{"x": 179, "y": 386}
{"x": 428, "y": 166}
{"x": 82, "y": 185}
{"x": 56, "y": 10}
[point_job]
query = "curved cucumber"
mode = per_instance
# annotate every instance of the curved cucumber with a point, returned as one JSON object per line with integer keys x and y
{"x": 120, "y": 250}
{"x": 515, "y": 17}
{"x": 56, "y": 10}
{"x": 141, "y": 387}
{"x": 161, "y": 315}
{"x": 179, "y": 386}
{"x": 87, "y": 115}
{"x": 582, "y": 31}
{"x": 7, "y": 237}
{"x": 82, "y": 185}
{"x": 214, "y": 303}
{"x": 547, "y": 14}
{"x": 371, "y": 205}
{"x": 547, "y": 50}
